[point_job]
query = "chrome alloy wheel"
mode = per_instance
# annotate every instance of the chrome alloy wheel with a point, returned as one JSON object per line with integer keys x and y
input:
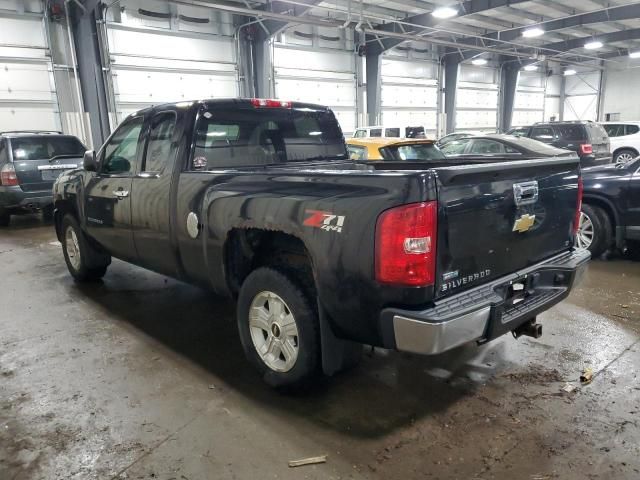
{"x": 586, "y": 231}
{"x": 624, "y": 158}
{"x": 273, "y": 331}
{"x": 73, "y": 248}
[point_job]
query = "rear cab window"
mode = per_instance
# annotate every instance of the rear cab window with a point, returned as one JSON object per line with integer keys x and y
{"x": 631, "y": 129}
{"x": 244, "y": 137}
{"x": 375, "y": 132}
{"x": 392, "y": 132}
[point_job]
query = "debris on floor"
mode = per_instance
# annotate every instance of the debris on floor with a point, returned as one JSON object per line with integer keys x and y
{"x": 569, "y": 388}
{"x": 308, "y": 461}
{"x": 587, "y": 376}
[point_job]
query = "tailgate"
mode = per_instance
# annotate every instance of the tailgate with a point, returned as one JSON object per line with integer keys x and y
{"x": 502, "y": 217}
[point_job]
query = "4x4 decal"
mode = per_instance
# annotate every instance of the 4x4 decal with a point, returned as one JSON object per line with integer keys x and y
{"x": 324, "y": 220}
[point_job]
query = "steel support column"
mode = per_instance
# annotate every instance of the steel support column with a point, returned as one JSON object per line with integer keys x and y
{"x": 508, "y": 85}
{"x": 374, "y": 87}
{"x": 450, "y": 87}
{"x": 94, "y": 94}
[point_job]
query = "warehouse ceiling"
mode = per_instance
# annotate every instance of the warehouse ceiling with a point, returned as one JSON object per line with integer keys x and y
{"x": 499, "y": 27}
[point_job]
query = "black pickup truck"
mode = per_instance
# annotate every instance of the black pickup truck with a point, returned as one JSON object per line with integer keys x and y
{"x": 257, "y": 200}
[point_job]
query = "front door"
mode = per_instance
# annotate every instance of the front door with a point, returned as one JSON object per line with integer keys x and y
{"x": 108, "y": 193}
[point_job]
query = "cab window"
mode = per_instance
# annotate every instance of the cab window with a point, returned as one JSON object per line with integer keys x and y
{"x": 614, "y": 130}
{"x": 360, "y": 134}
{"x": 160, "y": 147}
{"x": 544, "y": 134}
{"x": 631, "y": 129}
{"x": 392, "y": 132}
{"x": 375, "y": 132}
{"x": 119, "y": 155}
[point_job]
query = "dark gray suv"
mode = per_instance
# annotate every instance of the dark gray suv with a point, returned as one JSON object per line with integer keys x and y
{"x": 29, "y": 164}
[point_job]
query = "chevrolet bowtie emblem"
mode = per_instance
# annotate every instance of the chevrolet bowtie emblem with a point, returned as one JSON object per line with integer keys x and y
{"x": 524, "y": 223}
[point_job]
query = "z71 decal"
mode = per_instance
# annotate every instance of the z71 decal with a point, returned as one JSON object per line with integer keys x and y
{"x": 324, "y": 220}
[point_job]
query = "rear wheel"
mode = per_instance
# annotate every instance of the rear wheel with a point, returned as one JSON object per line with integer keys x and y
{"x": 594, "y": 230}
{"x": 84, "y": 262}
{"x": 279, "y": 329}
{"x": 5, "y": 219}
{"x": 624, "y": 156}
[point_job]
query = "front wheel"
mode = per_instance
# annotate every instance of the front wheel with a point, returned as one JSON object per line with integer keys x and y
{"x": 594, "y": 230}
{"x": 279, "y": 329}
{"x": 84, "y": 262}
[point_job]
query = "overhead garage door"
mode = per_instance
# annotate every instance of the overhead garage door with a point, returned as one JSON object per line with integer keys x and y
{"x": 161, "y": 52}
{"x": 312, "y": 64}
{"x": 409, "y": 93}
{"x": 530, "y": 98}
{"x": 581, "y": 96}
{"x": 477, "y": 98}
{"x": 27, "y": 90}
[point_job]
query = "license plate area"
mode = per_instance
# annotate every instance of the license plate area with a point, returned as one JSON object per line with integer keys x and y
{"x": 51, "y": 174}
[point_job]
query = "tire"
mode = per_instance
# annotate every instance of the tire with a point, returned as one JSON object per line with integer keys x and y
{"x": 5, "y": 219}
{"x": 85, "y": 262}
{"x": 285, "y": 349}
{"x": 594, "y": 231}
{"x": 625, "y": 155}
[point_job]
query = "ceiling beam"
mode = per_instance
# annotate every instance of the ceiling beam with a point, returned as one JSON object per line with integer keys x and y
{"x": 276, "y": 26}
{"x": 567, "y": 45}
{"x": 624, "y": 12}
{"x": 427, "y": 21}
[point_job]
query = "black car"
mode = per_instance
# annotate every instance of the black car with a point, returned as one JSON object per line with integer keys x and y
{"x": 29, "y": 164}
{"x": 588, "y": 139}
{"x": 505, "y": 147}
{"x": 610, "y": 207}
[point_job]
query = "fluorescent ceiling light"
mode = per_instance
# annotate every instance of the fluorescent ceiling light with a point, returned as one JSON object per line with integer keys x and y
{"x": 530, "y": 68}
{"x": 532, "y": 32}
{"x": 569, "y": 72}
{"x": 634, "y": 54}
{"x": 593, "y": 45}
{"x": 444, "y": 12}
{"x": 479, "y": 61}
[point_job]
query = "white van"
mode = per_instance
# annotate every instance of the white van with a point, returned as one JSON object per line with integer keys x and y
{"x": 390, "y": 132}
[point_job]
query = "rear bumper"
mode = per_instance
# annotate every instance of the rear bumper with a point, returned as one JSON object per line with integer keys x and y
{"x": 485, "y": 312}
{"x": 15, "y": 199}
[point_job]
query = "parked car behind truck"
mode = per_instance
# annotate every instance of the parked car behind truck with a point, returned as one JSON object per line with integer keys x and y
{"x": 29, "y": 163}
{"x": 588, "y": 139}
{"x": 258, "y": 200}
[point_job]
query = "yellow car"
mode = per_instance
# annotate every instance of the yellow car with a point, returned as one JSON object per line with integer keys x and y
{"x": 393, "y": 149}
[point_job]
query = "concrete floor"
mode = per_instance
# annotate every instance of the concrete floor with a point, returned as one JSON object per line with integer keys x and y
{"x": 143, "y": 377}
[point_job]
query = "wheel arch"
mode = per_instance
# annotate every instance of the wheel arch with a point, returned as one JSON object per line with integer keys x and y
{"x": 246, "y": 249}
{"x": 604, "y": 204}
{"x": 61, "y": 208}
{"x": 619, "y": 149}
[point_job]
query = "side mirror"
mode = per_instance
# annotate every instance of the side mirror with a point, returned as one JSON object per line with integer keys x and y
{"x": 89, "y": 162}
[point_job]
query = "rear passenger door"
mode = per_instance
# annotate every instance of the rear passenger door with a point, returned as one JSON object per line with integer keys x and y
{"x": 151, "y": 195}
{"x": 108, "y": 192}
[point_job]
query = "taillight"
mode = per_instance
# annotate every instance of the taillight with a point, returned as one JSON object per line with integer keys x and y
{"x": 576, "y": 219}
{"x": 8, "y": 176}
{"x": 585, "y": 149}
{"x": 270, "y": 103}
{"x": 406, "y": 245}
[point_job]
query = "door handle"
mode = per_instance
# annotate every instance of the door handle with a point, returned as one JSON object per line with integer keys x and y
{"x": 119, "y": 194}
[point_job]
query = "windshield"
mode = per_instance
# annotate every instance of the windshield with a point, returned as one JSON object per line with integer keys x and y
{"x": 230, "y": 138}
{"x": 39, "y": 148}
{"x": 414, "y": 152}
